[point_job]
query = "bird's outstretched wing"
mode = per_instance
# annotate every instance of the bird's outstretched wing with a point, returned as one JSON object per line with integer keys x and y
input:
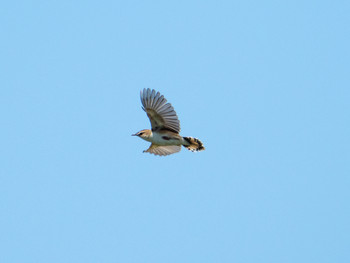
{"x": 163, "y": 150}
{"x": 161, "y": 114}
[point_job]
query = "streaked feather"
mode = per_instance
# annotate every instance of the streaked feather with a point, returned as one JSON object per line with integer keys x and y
{"x": 163, "y": 150}
{"x": 161, "y": 114}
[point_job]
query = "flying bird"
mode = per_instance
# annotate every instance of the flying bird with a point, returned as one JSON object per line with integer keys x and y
{"x": 164, "y": 136}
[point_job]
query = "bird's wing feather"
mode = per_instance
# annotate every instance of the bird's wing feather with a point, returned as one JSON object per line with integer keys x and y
{"x": 163, "y": 150}
{"x": 160, "y": 113}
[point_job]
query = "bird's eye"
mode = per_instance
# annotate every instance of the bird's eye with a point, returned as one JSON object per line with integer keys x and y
{"x": 140, "y": 133}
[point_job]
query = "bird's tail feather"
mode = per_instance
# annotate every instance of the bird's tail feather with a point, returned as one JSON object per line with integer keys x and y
{"x": 193, "y": 144}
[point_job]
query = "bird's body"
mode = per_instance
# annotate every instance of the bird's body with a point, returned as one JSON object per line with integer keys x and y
{"x": 164, "y": 136}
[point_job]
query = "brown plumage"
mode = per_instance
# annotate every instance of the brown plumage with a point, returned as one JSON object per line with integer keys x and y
{"x": 164, "y": 136}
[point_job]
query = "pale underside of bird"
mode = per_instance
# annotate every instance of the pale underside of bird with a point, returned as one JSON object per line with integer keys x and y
{"x": 164, "y": 135}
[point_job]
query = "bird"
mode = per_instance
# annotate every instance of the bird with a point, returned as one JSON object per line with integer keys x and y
{"x": 165, "y": 135}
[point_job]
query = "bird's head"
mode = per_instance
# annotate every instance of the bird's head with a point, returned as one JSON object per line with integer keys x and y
{"x": 144, "y": 134}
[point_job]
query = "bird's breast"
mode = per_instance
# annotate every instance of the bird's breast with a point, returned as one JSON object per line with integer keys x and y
{"x": 166, "y": 139}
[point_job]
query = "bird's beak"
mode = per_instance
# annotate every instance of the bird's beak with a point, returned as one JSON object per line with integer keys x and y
{"x": 133, "y": 134}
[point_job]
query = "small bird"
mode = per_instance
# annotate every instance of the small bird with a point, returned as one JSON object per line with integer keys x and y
{"x": 164, "y": 136}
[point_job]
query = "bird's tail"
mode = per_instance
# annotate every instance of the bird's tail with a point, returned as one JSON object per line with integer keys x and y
{"x": 193, "y": 144}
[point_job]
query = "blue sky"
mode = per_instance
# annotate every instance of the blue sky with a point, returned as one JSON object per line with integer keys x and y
{"x": 265, "y": 86}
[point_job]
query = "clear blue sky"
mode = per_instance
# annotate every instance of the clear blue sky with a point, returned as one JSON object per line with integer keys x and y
{"x": 264, "y": 84}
